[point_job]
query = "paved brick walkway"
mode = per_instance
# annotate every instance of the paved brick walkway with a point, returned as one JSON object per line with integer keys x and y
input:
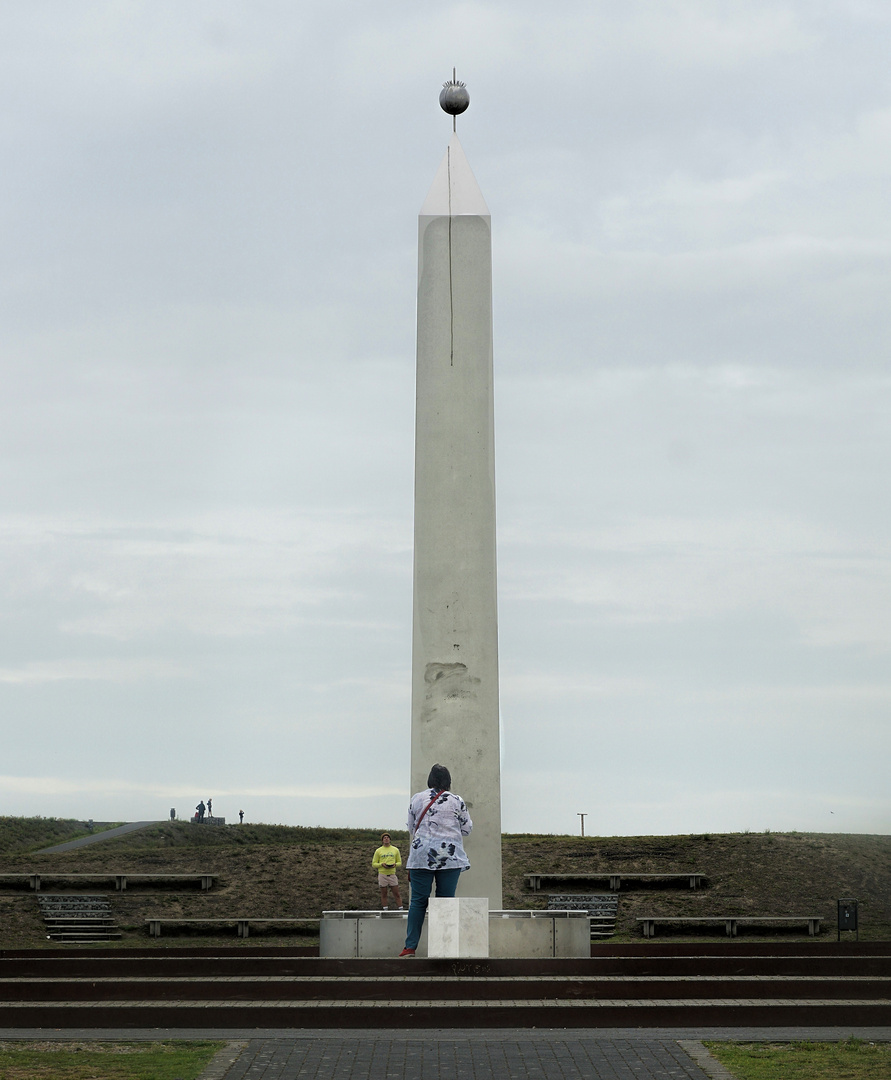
{"x": 496, "y": 1054}
{"x": 521, "y": 1057}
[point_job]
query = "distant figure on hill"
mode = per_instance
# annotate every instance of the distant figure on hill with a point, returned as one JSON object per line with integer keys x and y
{"x": 386, "y": 860}
{"x": 199, "y": 811}
{"x": 210, "y": 807}
{"x": 241, "y": 817}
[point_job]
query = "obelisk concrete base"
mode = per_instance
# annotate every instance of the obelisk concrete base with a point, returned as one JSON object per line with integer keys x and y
{"x": 512, "y": 934}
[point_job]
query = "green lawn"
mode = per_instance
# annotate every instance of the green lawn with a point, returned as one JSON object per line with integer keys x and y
{"x": 854, "y": 1059}
{"x": 108, "y": 1060}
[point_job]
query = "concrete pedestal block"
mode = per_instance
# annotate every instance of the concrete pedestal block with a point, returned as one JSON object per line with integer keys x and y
{"x": 458, "y": 926}
{"x": 366, "y": 934}
{"x": 511, "y": 934}
{"x": 532, "y": 934}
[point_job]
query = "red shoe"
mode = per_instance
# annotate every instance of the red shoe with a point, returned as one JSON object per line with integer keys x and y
{"x": 407, "y": 952}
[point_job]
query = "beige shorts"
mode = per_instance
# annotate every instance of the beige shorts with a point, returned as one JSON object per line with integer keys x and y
{"x": 387, "y": 879}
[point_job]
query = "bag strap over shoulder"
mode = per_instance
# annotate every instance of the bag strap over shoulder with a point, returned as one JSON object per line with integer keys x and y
{"x": 423, "y": 813}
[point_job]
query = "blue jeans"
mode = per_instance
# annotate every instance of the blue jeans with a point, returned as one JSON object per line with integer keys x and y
{"x": 421, "y": 884}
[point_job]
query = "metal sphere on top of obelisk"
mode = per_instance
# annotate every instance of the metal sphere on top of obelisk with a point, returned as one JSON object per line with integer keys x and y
{"x": 454, "y": 97}
{"x": 455, "y": 715}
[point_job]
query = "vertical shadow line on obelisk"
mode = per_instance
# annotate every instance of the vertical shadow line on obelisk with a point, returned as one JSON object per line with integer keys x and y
{"x": 451, "y": 304}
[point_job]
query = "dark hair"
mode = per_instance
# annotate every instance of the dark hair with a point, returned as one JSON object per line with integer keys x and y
{"x": 439, "y": 778}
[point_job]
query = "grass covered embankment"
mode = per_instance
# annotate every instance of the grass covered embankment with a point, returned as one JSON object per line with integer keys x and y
{"x": 273, "y": 870}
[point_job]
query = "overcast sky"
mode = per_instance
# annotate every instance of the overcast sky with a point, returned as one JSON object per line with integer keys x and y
{"x": 207, "y": 278}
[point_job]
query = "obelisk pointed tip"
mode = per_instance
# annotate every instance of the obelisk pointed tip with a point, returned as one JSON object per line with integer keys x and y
{"x": 454, "y": 190}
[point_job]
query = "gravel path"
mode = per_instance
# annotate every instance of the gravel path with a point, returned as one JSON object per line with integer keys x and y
{"x": 94, "y": 838}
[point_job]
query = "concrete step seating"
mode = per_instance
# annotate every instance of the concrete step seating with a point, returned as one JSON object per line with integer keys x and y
{"x": 602, "y": 908}
{"x": 77, "y": 918}
{"x": 730, "y": 984}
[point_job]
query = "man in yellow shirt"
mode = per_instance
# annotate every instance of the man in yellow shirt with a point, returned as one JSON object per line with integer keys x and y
{"x": 386, "y": 860}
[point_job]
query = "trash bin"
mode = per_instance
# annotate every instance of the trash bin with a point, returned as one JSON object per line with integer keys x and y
{"x": 847, "y": 916}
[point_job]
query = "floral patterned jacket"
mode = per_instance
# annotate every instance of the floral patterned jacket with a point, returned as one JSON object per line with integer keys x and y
{"x": 437, "y": 844}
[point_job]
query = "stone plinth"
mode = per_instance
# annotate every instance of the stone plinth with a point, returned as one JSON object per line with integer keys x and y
{"x": 458, "y": 926}
{"x": 512, "y": 934}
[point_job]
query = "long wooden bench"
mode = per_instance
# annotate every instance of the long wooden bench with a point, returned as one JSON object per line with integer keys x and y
{"x": 120, "y": 880}
{"x": 206, "y": 880}
{"x": 729, "y": 922}
{"x": 242, "y": 925}
{"x": 615, "y": 880}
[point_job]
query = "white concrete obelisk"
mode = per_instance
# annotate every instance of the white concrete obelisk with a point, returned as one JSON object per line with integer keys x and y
{"x": 455, "y": 719}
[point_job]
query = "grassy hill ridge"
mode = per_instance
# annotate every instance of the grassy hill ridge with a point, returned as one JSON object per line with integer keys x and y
{"x": 277, "y": 870}
{"x": 20, "y": 834}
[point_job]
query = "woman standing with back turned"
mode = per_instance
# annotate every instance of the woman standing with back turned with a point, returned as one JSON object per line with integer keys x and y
{"x": 437, "y": 823}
